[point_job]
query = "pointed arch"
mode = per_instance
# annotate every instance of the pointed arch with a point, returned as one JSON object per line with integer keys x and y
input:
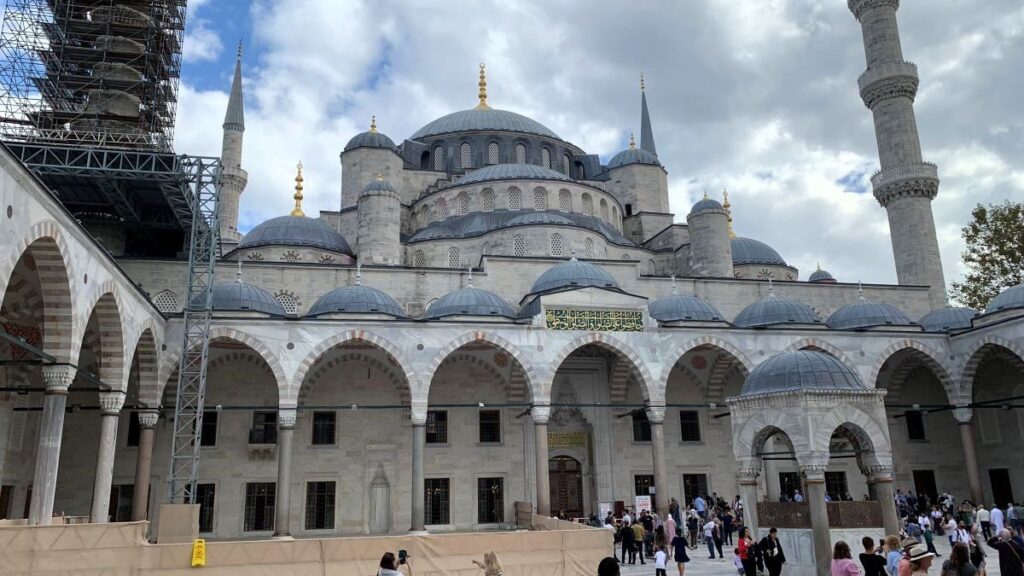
{"x": 972, "y": 360}
{"x": 819, "y": 345}
{"x": 704, "y": 342}
{"x": 871, "y": 436}
{"x": 145, "y": 349}
{"x": 750, "y": 438}
{"x": 110, "y": 336}
{"x": 290, "y": 393}
{"x": 929, "y": 357}
{"x": 529, "y": 371}
{"x": 635, "y": 363}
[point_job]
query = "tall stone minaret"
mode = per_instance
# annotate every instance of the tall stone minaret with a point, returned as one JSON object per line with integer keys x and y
{"x": 906, "y": 184}
{"x": 646, "y": 132}
{"x": 233, "y": 177}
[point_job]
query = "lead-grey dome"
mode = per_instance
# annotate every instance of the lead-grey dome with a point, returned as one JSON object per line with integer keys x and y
{"x": 867, "y": 314}
{"x": 369, "y": 139}
{"x": 774, "y": 310}
{"x": 750, "y": 251}
{"x": 377, "y": 186}
{"x": 947, "y": 319}
{"x": 573, "y": 274}
{"x": 683, "y": 307}
{"x": 469, "y": 301}
{"x": 477, "y": 224}
{"x": 800, "y": 370}
{"x": 296, "y": 231}
{"x": 512, "y": 172}
{"x": 633, "y": 156}
{"x": 821, "y": 277}
{"x": 356, "y": 300}
{"x": 706, "y": 204}
{"x": 483, "y": 120}
{"x": 241, "y": 297}
{"x": 1012, "y": 297}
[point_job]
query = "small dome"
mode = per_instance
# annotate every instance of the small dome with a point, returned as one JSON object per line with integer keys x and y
{"x": 573, "y": 274}
{"x": 469, "y": 301}
{"x": 947, "y": 319}
{"x": 296, "y": 231}
{"x": 633, "y": 156}
{"x": 512, "y": 172}
{"x": 241, "y": 297}
{"x": 683, "y": 307}
{"x": 1012, "y": 297}
{"x": 483, "y": 120}
{"x": 356, "y": 299}
{"x": 867, "y": 314}
{"x": 370, "y": 139}
{"x": 821, "y": 277}
{"x": 750, "y": 251}
{"x": 377, "y": 186}
{"x": 800, "y": 370}
{"x": 774, "y": 310}
{"x": 706, "y": 204}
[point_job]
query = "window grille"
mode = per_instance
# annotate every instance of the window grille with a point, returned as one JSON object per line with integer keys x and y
{"x": 488, "y": 196}
{"x": 205, "y": 496}
{"x": 438, "y": 158}
{"x": 490, "y": 500}
{"x": 650, "y": 268}
{"x": 492, "y": 153}
{"x": 490, "y": 426}
{"x": 437, "y": 499}
{"x": 588, "y": 249}
{"x": 588, "y": 205}
{"x": 324, "y": 427}
{"x": 419, "y": 260}
{"x": 519, "y": 245}
{"x": 463, "y": 203}
{"x": 567, "y": 164}
{"x": 320, "y": 505}
{"x": 565, "y": 201}
{"x": 515, "y": 199}
{"x": 520, "y": 154}
{"x": 288, "y": 302}
{"x": 442, "y": 208}
{"x": 540, "y": 199}
{"x": 166, "y": 301}
{"x": 466, "y": 155}
{"x": 437, "y": 427}
{"x": 689, "y": 425}
{"x": 545, "y": 157}
{"x": 259, "y": 506}
{"x": 454, "y": 259}
{"x": 557, "y": 247}
{"x": 641, "y": 427}
{"x": 604, "y": 210}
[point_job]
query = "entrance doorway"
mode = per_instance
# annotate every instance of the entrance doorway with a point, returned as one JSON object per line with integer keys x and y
{"x": 1002, "y": 490}
{"x": 694, "y": 485}
{"x": 924, "y": 483}
{"x": 566, "y": 477}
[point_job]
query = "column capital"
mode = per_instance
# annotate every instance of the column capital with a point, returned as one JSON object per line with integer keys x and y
{"x": 540, "y": 413}
{"x": 963, "y": 414}
{"x": 656, "y": 414}
{"x": 148, "y": 418}
{"x": 860, "y": 7}
{"x": 878, "y": 472}
{"x": 814, "y": 472}
{"x": 747, "y": 470}
{"x": 58, "y": 378}
{"x": 286, "y": 418}
{"x": 111, "y": 403}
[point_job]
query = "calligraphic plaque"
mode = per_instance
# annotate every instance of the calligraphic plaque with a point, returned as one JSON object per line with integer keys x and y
{"x": 595, "y": 320}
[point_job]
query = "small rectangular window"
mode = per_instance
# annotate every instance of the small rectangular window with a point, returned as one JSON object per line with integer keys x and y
{"x": 205, "y": 496}
{"x": 641, "y": 427}
{"x": 642, "y": 484}
{"x": 264, "y": 428}
{"x": 324, "y": 425}
{"x": 437, "y": 498}
{"x": 6, "y": 494}
{"x": 490, "y": 426}
{"x": 133, "y": 429}
{"x": 437, "y": 427}
{"x": 320, "y": 506}
{"x": 208, "y": 437}
{"x": 835, "y": 485}
{"x": 689, "y": 425}
{"x": 789, "y": 483}
{"x": 915, "y": 425}
{"x": 260, "y": 499}
{"x": 120, "y": 507}
{"x": 490, "y": 500}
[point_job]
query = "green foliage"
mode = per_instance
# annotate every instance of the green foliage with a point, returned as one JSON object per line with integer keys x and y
{"x": 994, "y": 255}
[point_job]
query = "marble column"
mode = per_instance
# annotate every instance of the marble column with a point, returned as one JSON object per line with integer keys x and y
{"x": 143, "y": 464}
{"x": 814, "y": 479}
{"x": 881, "y": 480}
{"x": 540, "y": 416}
{"x": 419, "y": 441}
{"x": 963, "y": 419}
{"x": 747, "y": 471}
{"x": 110, "y": 413}
{"x": 283, "y": 511}
{"x": 656, "y": 416}
{"x": 51, "y": 429}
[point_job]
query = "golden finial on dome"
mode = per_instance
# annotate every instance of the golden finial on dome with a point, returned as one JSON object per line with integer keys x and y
{"x": 728, "y": 212}
{"x": 483, "y": 89}
{"x": 297, "y": 211}
{"x": 641, "y": 81}
{"x": 632, "y": 142}
{"x": 373, "y": 124}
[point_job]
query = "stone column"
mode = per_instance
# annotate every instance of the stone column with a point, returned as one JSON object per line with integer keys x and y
{"x": 814, "y": 478}
{"x": 51, "y": 429}
{"x": 656, "y": 416}
{"x": 143, "y": 464}
{"x": 747, "y": 471}
{"x": 419, "y": 441}
{"x": 540, "y": 416}
{"x": 110, "y": 413}
{"x": 963, "y": 419}
{"x": 283, "y": 511}
{"x": 880, "y": 482}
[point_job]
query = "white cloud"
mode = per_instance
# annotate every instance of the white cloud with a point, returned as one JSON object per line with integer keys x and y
{"x": 753, "y": 95}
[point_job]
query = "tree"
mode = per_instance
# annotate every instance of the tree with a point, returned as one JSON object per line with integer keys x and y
{"x": 994, "y": 256}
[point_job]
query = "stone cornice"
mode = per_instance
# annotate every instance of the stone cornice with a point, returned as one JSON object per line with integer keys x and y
{"x": 896, "y": 80}
{"x": 859, "y": 7}
{"x": 909, "y": 188}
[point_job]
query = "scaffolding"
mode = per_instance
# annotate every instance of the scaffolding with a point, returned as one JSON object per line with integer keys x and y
{"x": 91, "y": 72}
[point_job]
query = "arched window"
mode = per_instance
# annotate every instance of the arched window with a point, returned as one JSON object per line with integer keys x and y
{"x": 588, "y": 249}
{"x": 518, "y": 245}
{"x": 615, "y": 216}
{"x": 419, "y": 260}
{"x": 604, "y": 209}
{"x": 545, "y": 157}
{"x": 462, "y": 200}
{"x": 166, "y": 301}
{"x": 288, "y": 302}
{"x": 629, "y": 209}
{"x": 492, "y": 153}
{"x": 438, "y": 158}
{"x": 650, "y": 268}
{"x": 564, "y": 201}
{"x": 515, "y": 199}
{"x": 540, "y": 199}
{"x": 454, "y": 258}
{"x": 466, "y": 155}
{"x": 567, "y": 165}
{"x": 488, "y": 200}
{"x": 588, "y": 205}
{"x": 442, "y": 208}
{"x": 557, "y": 245}
{"x": 520, "y": 153}
{"x": 624, "y": 257}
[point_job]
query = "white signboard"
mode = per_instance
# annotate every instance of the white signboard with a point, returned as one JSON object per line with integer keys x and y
{"x": 642, "y": 503}
{"x": 605, "y": 508}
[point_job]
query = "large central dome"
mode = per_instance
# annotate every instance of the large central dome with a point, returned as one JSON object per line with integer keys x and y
{"x": 483, "y": 120}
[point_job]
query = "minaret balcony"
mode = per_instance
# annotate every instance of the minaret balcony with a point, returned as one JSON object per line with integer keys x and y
{"x": 903, "y": 181}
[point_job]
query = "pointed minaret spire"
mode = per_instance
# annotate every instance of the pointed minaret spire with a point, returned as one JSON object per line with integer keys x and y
{"x": 233, "y": 177}
{"x": 297, "y": 211}
{"x": 646, "y": 133}
{"x": 482, "y": 84}
{"x": 235, "y": 115}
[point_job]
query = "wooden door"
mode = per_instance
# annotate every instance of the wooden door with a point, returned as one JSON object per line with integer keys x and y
{"x": 566, "y": 477}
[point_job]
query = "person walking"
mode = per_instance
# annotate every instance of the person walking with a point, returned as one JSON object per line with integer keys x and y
{"x": 701, "y": 506}
{"x": 693, "y": 526}
{"x": 660, "y": 539}
{"x": 638, "y": 540}
{"x": 717, "y": 535}
{"x": 670, "y": 526}
{"x": 747, "y": 552}
{"x": 771, "y": 552}
{"x": 842, "y": 561}
{"x": 628, "y": 542}
{"x": 997, "y": 519}
{"x": 660, "y": 561}
{"x": 985, "y": 518}
{"x": 959, "y": 563}
{"x": 679, "y": 546}
{"x": 870, "y": 559}
{"x": 728, "y": 525}
{"x": 709, "y": 538}
{"x": 893, "y": 554}
{"x": 920, "y": 560}
{"x": 1011, "y": 554}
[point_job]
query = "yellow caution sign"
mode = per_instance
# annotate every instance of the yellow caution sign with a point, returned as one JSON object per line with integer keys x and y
{"x": 198, "y": 553}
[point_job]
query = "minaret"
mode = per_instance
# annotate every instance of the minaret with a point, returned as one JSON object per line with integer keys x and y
{"x": 233, "y": 177}
{"x": 646, "y": 133}
{"x": 906, "y": 185}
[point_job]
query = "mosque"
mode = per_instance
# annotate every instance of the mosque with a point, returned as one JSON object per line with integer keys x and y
{"x": 495, "y": 318}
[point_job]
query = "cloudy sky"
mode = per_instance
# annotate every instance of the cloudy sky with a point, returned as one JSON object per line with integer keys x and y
{"x": 756, "y": 96}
